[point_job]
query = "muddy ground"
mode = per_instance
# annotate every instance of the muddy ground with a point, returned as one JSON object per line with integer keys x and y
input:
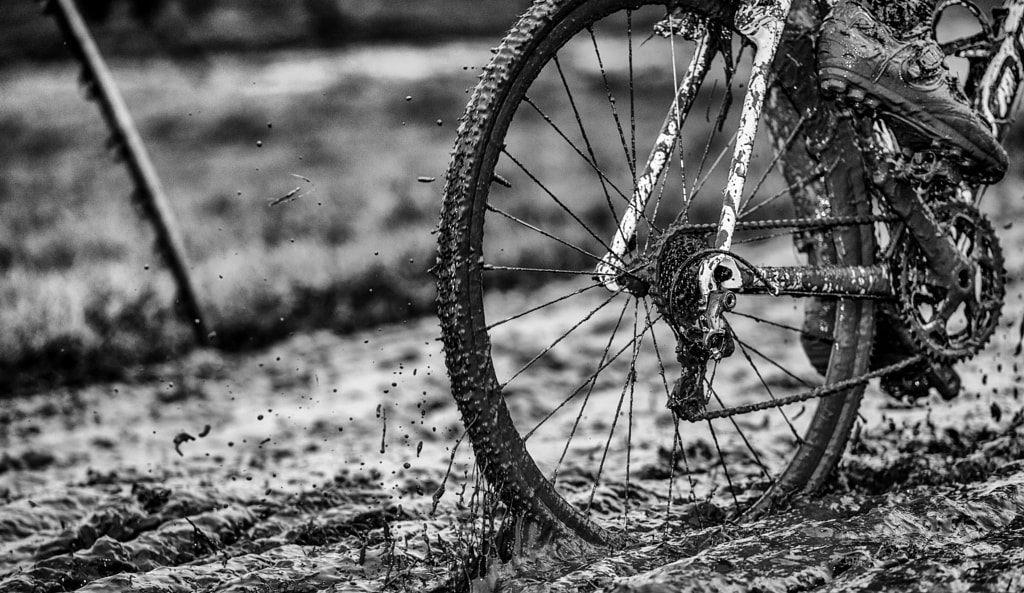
{"x": 318, "y": 464}
{"x": 326, "y": 463}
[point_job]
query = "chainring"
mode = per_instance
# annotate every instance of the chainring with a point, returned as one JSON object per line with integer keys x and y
{"x": 944, "y": 333}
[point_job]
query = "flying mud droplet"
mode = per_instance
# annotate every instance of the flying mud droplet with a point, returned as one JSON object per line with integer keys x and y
{"x": 288, "y": 197}
{"x": 425, "y": 179}
{"x": 997, "y": 412}
{"x": 295, "y": 193}
{"x": 205, "y": 431}
{"x": 419, "y": 448}
{"x": 1020, "y": 339}
{"x": 182, "y": 437}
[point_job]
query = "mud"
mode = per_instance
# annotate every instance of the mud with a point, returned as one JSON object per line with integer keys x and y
{"x": 316, "y": 466}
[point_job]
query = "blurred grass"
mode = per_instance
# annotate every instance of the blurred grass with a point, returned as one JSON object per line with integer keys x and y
{"x": 83, "y": 295}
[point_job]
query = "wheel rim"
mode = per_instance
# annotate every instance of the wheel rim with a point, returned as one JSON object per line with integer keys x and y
{"x": 630, "y": 364}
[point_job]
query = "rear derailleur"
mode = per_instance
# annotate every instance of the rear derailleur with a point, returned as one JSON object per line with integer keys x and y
{"x": 697, "y": 319}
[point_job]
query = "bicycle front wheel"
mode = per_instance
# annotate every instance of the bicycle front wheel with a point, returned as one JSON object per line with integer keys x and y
{"x": 563, "y": 385}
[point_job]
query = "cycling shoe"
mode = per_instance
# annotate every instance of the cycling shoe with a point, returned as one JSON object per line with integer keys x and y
{"x": 864, "y": 62}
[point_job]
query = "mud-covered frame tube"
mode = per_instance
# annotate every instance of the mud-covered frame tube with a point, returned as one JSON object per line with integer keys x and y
{"x": 999, "y": 92}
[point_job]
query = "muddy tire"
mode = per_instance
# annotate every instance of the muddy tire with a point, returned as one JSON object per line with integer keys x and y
{"x": 466, "y": 279}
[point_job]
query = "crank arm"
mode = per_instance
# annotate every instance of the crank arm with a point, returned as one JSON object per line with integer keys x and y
{"x": 612, "y": 265}
{"x": 944, "y": 260}
{"x": 762, "y": 23}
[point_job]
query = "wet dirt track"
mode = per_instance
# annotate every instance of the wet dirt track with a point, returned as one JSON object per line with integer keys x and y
{"x": 316, "y": 465}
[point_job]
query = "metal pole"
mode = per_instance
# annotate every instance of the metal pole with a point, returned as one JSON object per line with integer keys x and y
{"x": 126, "y": 137}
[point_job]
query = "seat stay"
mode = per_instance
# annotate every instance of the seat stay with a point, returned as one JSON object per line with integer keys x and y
{"x": 762, "y": 23}
{"x": 611, "y": 265}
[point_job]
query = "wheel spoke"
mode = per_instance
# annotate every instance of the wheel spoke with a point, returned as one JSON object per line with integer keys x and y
{"x": 725, "y": 466}
{"x": 591, "y": 161}
{"x": 560, "y": 203}
{"x": 629, "y": 425}
{"x": 721, "y": 155}
{"x": 492, "y": 268}
{"x": 767, "y": 388}
{"x": 611, "y": 101}
{"x": 591, "y": 382}
{"x": 592, "y": 379}
{"x": 525, "y": 224}
{"x": 787, "y": 191}
{"x": 630, "y": 379}
{"x": 586, "y": 141}
{"x": 679, "y": 126}
{"x": 632, "y": 96}
{"x": 628, "y": 386}
{"x": 676, "y": 438}
{"x": 555, "y": 301}
{"x": 586, "y": 318}
{"x": 802, "y": 333}
{"x": 775, "y": 161}
{"x": 775, "y": 364}
{"x": 743, "y": 437}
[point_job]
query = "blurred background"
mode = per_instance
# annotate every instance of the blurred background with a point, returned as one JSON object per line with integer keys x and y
{"x": 354, "y": 103}
{"x": 341, "y": 113}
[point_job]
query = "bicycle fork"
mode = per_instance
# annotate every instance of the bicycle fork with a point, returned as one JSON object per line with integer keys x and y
{"x": 762, "y": 23}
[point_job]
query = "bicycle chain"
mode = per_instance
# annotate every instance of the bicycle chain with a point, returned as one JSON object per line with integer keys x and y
{"x": 817, "y": 392}
{"x": 931, "y": 169}
{"x": 803, "y": 224}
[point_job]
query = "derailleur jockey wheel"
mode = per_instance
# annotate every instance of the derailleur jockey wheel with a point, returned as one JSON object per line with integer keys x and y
{"x": 935, "y": 326}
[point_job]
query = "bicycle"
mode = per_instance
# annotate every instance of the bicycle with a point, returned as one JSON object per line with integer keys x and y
{"x": 866, "y": 233}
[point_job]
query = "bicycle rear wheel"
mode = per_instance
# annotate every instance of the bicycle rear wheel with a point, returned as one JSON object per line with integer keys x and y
{"x": 561, "y": 384}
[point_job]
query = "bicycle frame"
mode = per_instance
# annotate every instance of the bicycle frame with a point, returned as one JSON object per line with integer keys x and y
{"x": 997, "y": 97}
{"x": 999, "y": 93}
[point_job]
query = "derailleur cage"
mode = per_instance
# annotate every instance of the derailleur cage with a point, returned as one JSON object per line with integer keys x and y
{"x": 702, "y": 334}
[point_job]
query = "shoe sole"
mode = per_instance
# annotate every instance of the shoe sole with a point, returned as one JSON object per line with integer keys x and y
{"x": 909, "y": 115}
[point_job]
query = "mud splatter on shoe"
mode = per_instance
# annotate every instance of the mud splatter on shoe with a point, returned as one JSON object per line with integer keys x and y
{"x": 866, "y": 62}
